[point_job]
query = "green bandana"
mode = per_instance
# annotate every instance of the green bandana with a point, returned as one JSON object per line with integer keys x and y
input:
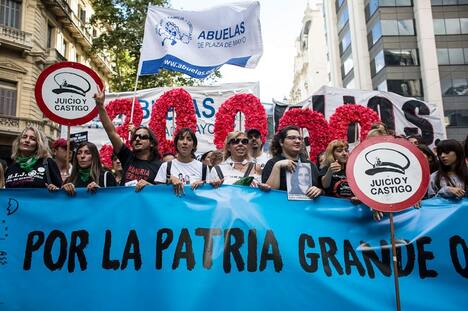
{"x": 26, "y": 163}
{"x": 84, "y": 173}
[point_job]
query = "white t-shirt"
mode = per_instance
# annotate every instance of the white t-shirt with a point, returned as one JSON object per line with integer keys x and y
{"x": 231, "y": 175}
{"x": 262, "y": 159}
{"x": 186, "y": 172}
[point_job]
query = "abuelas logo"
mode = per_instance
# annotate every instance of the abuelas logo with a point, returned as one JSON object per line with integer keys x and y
{"x": 174, "y": 29}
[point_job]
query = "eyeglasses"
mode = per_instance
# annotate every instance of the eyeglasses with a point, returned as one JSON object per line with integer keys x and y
{"x": 292, "y": 137}
{"x": 141, "y": 137}
{"x": 236, "y": 141}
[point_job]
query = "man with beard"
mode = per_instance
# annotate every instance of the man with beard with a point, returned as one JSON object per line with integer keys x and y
{"x": 256, "y": 148}
{"x": 141, "y": 164}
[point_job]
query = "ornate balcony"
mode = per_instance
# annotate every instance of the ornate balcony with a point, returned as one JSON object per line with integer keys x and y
{"x": 54, "y": 56}
{"x": 15, "y": 38}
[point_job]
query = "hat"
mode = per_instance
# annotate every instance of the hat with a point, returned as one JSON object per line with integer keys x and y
{"x": 253, "y": 131}
{"x": 69, "y": 82}
{"x": 386, "y": 160}
{"x": 61, "y": 142}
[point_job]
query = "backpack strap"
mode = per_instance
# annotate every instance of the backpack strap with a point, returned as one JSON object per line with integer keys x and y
{"x": 168, "y": 171}
{"x": 204, "y": 172}
{"x": 249, "y": 169}
{"x": 45, "y": 163}
{"x": 105, "y": 179}
{"x": 219, "y": 172}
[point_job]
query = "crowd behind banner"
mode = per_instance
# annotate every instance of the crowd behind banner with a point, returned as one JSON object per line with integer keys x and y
{"x": 242, "y": 161}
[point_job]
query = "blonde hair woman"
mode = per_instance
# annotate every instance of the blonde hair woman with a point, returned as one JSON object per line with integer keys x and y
{"x": 237, "y": 166}
{"x": 334, "y": 172}
{"x": 33, "y": 167}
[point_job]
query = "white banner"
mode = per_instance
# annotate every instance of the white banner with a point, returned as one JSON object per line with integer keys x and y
{"x": 199, "y": 42}
{"x": 206, "y": 100}
{"x": 404, "y": 115}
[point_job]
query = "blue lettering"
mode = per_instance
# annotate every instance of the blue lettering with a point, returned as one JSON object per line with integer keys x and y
{"x": 210, "y": 35}
{"x": 145, "y": 107}
{"x": 201, "y": 35}
{"x": 207, "y": 106}
{"x": 197, "y": 112}
{"x": 242, "y": 27}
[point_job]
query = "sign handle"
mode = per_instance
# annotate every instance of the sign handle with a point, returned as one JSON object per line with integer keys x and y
{"x": 68, "y": 146}
{"x": 395, "y": 263}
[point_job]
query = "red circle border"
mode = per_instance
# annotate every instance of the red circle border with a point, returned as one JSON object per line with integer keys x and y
{"x": 394, "y": 207}
{"x": 40, "y": 101}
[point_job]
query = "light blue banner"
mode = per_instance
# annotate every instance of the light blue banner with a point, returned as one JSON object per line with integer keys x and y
{"x": 234, "y": 248}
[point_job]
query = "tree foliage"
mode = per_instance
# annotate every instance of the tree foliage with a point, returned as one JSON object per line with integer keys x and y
{"x": 124, "y": 25}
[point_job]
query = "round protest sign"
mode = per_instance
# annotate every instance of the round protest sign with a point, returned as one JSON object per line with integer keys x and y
{"x": 388, "y": 174}
{"x": 64, "y": 93}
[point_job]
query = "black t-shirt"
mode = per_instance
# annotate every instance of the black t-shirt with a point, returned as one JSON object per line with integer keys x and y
{"x": 283, "y": 184}
{"x": 339, "y": 186}
{"x": 136, "y": 169}
{"x": 109, "y": 182}
{"x": 16, "y": 177}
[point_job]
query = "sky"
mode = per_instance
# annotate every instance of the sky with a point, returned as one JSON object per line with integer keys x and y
{"x": 281, "y": 23}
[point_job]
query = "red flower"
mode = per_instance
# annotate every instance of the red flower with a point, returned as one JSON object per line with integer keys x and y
{"x": 315, "y": 124}
{"x": 347, "y": 114}
{"x": 105, "y": 153}
{"x": 124, "y": 106}
{"x": 255, "y": 117}
{"x": 181, "y": 101}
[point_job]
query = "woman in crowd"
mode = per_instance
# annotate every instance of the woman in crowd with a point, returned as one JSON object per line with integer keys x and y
{"x": 286, "y": 148}
{"x": 237, "y": 168}
{"x": 33, "y": 167}
{"x": 333, "y": 175}
{"x": 184, "y": 169}
{"x": 87, "y": 171}
{"x": 117, "y": 169}
{"x": 2, "y": 177}
{"x": 451, "y": 180}
{"x": 431, "y": 158}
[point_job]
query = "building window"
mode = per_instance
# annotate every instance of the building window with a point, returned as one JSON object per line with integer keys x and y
{"x": 454, "y": 87}
{"x": 456, "y": 56}
{"x": 50, "y": 34}
{"x": 343, "y": 18}
{"x": 450, "y": 26}
{"x": 350, "y": 84}
{"x": 347, "y": 65}
{"x": 345, "y": 41}
{"x": 374, "y": 35}
{"x": 10, "y": 13}
{"x": 405, "y": 87}
{"x": 377, "y": 63}
{"x": 82, "y": 14}
{"x": 457, "y": 118}
{"x": 448, "y": 2}
{"x": 403, "y": 27}
{"x": 338, "y": 4}
{"x": 8, "y": 98}
{"x": 403, "y": 57}
{"x": 382, "y": 86}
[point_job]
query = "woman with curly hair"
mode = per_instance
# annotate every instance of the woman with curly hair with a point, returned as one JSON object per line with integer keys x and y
{"x": 451, "y": 180}
{"x": 87, "y": 171}
{"x": 33, "y": 167}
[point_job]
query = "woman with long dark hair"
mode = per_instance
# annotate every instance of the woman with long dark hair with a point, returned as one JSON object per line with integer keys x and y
{"x": 451, "y": 180}
{"x": 87, "y": 171}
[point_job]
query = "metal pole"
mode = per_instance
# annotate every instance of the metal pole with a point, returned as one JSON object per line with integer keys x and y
{"x": 395, "y": 263}
{"x": 133, "y": 104}
{"x": 68, "y": 147}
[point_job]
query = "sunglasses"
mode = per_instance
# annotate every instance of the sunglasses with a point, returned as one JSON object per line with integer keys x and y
{"x": 236, "y": 141}
{"x": 141, "y": 137}
{"x": 292, "y": 137}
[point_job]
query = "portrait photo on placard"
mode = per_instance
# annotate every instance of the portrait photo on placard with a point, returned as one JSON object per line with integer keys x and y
{"x": 299, "y": 182}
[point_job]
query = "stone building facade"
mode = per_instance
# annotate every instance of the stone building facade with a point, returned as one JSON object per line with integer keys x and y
{"x": 33, "y": 35}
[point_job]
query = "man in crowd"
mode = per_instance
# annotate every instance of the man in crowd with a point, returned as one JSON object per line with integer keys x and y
{"x": 59, "y": 151}
{"x": 141, "y": 164}
{"x": 256, "y": 148}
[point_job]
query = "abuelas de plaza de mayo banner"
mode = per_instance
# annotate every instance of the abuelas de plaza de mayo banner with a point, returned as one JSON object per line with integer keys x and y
{"x": 234, "y": 248}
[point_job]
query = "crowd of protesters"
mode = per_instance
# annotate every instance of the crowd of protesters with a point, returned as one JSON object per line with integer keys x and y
{"x": 242, "y": 161}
